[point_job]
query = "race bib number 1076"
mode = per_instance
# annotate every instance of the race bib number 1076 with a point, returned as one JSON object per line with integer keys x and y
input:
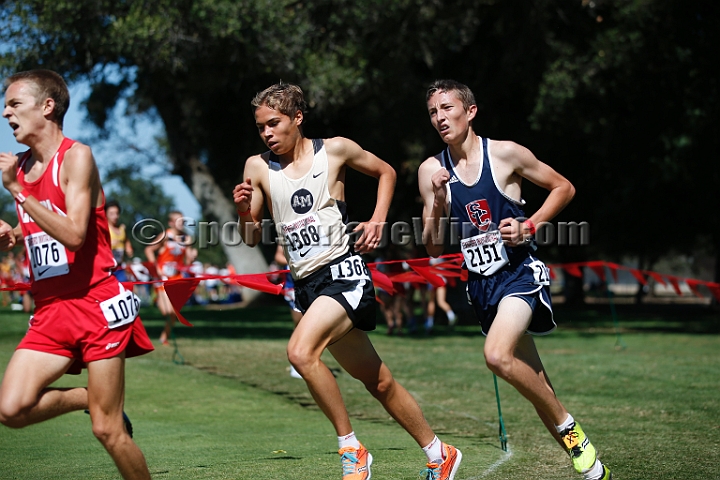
{"x": 121, "y": 309}
{"x": 47, "y": 256}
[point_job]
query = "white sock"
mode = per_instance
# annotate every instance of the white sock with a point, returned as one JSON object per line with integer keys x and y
{"x": 434, "y": 451}
{"x": 451, "y": 316}
{"x": 595, "y": 473}
{"x": 349, "y": 440}
{"x": 566, "y": 424}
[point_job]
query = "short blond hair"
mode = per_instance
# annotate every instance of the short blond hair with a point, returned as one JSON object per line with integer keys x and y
{"x": 286, "y": 98}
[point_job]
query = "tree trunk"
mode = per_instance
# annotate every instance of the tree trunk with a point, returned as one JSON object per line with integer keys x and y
{"x": 216, "y": 203}
{"x": 642, "y": 289}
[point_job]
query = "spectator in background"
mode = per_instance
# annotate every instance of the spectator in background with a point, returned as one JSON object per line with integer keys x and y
{"x": 119, "y": 241}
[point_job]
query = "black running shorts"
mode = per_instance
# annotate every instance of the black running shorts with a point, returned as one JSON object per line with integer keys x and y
{"x": 347, "y": 280}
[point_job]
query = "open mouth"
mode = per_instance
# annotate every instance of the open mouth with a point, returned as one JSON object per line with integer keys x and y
{"x": 14, "y": 126}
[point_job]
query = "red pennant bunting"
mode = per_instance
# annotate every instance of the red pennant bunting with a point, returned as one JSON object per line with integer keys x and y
{"x": 179, "y": 292}
{"x": 613, "y": 267}
{"x": 599, "y": 271}
{"x": 16, "y": 287}
{"x": 638, "y": 276}
{"x": 657, "y": 277}
{"x": 426, "y": 273}
{"x": 258, "y": 281}
{"x": 573, "y": 269}
{"x": 675, "y": 284}
{"x": 692, "y": 285}
{"x": 407, "y": 277}
{"x": 381, "y": 280}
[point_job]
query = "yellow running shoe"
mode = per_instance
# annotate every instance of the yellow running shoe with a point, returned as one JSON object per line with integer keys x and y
{"x": 445, "y": 470}
{"x": 607, "y": 474}
{"x": 355, "y": 463}
{"x": 581, "y": 451}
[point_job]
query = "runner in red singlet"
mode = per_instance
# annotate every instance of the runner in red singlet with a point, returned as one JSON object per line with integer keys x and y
{"x": 83, "y": 316}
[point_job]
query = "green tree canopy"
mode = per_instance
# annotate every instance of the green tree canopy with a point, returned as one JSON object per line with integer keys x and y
{"x": 140, "y": 199}
{"x": 620, "y": 96}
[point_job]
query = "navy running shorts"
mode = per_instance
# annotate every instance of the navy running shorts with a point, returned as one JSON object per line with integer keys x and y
{"x": 524, "y": 277}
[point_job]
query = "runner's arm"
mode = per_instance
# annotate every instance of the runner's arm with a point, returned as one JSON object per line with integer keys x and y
{"x": 369, "y": 164}
{"x": 526, "y": 165}
{"x": 80, "y": 181}
{"x": 432, "y": 181}
{"x": 249, "y": 201}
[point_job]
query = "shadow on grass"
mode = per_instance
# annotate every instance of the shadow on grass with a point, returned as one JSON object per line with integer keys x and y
{"x": 692, "y": 319}
{"x": 272, "y": 321}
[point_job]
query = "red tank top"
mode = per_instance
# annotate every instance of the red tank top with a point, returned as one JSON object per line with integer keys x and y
{"x": 55, "y": 271}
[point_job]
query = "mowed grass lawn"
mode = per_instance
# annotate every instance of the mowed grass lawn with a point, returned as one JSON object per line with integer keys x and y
{"x": 232, "y": 410}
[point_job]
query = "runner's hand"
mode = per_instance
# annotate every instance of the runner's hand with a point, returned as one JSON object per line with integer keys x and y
{"x": 512, "y": 232}
{"x": 439, "y": 183}
{"x": 242, "y": 195}
{"x": 370, "y": 237}
{"x": 9, "y": 166}
{"x": 7, "y": 236}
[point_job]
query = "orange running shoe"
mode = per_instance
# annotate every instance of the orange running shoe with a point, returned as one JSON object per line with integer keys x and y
{"x": 445, "y": 470}
{"x": 355, "y": 463}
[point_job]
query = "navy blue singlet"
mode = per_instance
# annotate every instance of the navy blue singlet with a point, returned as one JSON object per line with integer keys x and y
{"x": 480, "y": 207}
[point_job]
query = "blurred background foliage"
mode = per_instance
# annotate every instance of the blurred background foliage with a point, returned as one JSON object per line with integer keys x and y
{"x": 619, "y": 96}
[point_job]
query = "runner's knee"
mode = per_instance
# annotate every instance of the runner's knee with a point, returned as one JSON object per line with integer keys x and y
{"x": 498, "y": 361}
{"x": 300, "y": 356}
{"x": 11, "y": 414}
{"x": 380, "y": 386}
{"x": 108, "y": 431}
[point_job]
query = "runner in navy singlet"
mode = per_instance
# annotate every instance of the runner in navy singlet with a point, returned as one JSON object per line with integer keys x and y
{"x": 478, "y": 181}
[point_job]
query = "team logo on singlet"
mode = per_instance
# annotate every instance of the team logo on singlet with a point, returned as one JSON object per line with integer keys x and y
{"x": 301, "y": 201}
{"x": 479, "y": 213}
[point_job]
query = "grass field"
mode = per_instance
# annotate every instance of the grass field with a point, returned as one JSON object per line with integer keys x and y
{"x": 232, "y": 410}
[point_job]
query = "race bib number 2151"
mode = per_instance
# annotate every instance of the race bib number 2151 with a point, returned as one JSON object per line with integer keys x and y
{"x": 485, "y": 253}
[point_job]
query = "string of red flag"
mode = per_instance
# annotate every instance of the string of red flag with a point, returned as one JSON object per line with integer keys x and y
{"x": 436, "y": 272}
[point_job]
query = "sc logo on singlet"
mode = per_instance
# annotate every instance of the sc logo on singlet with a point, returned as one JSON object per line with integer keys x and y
{"x": 301, "y": 201}
{"x": 479, "y": 213}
